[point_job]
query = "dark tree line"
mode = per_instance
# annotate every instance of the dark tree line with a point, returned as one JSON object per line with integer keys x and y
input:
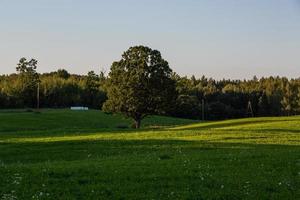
{"x": 272, "y": 96}
{"x": 56, "y": 89}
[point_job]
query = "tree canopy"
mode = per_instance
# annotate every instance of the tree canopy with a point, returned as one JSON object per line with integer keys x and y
{"x": 28, "y": 81}
{"x": 140, "y": 84}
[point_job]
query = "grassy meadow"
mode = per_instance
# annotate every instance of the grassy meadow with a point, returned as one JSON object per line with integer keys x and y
{"x": 63, "y": 154}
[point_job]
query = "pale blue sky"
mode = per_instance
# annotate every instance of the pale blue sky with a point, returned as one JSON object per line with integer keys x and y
{"x": 217, "y": 38}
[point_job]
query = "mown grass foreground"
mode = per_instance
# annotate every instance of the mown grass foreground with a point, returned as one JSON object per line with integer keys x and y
{"x": 60, "y": 154}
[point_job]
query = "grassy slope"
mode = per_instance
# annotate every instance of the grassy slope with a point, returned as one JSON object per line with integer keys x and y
{"x": 68, "y": 121}
{"x": 60, "y": 154}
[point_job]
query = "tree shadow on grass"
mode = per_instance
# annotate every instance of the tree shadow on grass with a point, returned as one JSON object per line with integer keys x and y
{"x": 35, "y": 152}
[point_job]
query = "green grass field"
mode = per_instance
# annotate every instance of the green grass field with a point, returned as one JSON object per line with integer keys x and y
{"x": 61, "y": 154}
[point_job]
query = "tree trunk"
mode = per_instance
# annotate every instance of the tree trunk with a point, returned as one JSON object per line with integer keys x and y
{"x": 137, "y": 123}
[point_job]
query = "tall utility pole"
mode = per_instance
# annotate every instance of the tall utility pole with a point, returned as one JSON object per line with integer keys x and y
{"x": 38, "y": 96}
{"x": 249, "y": 109}
{"x": 203, "y": 109}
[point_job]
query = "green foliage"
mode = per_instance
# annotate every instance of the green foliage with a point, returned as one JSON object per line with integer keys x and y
{"x": 28, "y": 80}
{"x": 62, "y": 73}
{"x": 290, "y": 97}
{"x": 140, "y": 84}
{"x": 60, "y": 92}
{"x": 229, "y": 98}
{"x": 129, "y": 83}
{"x": 93, "y": 90}
{"x": 60, "y": 154}
{"x": 57, "y": 89}
{"x": 187, "y": 106}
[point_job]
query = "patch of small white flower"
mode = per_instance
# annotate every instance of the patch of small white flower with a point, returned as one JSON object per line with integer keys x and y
{"x": 16, "y": 179}
{"x": 247, "y": 187}
{"x": 10, "y": 196}
{"x": 2, "y": 164}
{"x": 40, "y": 195}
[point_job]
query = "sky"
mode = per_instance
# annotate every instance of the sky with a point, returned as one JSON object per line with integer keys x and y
{"x": 233, "y": 39}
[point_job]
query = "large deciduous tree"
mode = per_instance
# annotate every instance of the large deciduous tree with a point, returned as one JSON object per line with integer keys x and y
{"x": 140, "y": 84}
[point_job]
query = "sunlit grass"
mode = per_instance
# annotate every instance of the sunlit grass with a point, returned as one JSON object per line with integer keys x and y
{"x": 257, "y": 131}
{"x": 204, "y": 136}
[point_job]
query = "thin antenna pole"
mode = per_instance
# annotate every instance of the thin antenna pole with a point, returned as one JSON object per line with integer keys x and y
{"x": 203, "y": 110}
{"x": 250, "y": 110}
{"x": 38, "y": 96}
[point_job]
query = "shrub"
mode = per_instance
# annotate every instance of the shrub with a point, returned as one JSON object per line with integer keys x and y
{"x": 122, "y": 126}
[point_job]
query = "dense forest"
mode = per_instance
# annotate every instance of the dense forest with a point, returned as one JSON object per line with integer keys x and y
{"x": 196, "y": 97}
